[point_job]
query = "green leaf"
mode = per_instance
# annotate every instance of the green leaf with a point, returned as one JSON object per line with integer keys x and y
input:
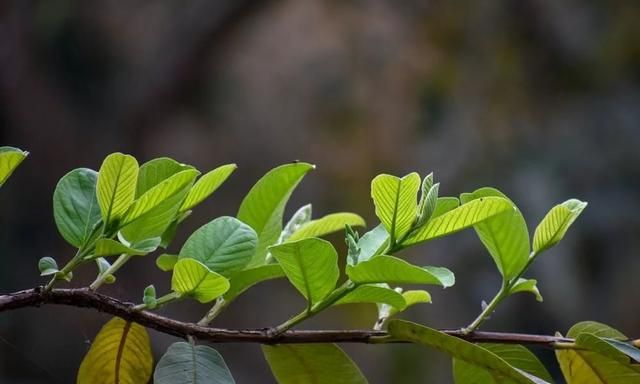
{"x": 262, "y": 209}
{"x": 556, "y": 223}
{"x": 225, "y": 245}
{"x": 155, "y": 171}
{"x": 396, "y": 202}
{"x": 527, "y": 285}
{"x": 75, "y": 206}
{"x": 116, "y": 186}
{"x": 459, "y": 349}
{"x": 166, "y": 262}
{"x": 428, "y": 200}
{"x": 301, "y": 217}
{"x": 206, "y": 185}
{"x": 504, "y": 235}
{"x": 625, "y": 347}
{"x": 170, "y": 232}
{"x": 412, "y": 298}
{"x": 47, "y": 266}
{"x": 243, "y": 280}
{"x": 109, "y": 247}
{"x": 311, "y": 363}
{"x": 516, "y": 355}
{"x": 371, "y": 244}
{"x": 311, "y": 265}
{"x": 374, "y": 294}
{"x": 327, "y": 224}
{"x": 103, "y": 265}
{"x": 459, "y": 218}
{"x": 185, "y": 363}
{"x": 590, "y": 366}
{"x": 192, "y": 278}
{"x": 149, "y": 297}
{"x": 391, "y": 270}
{"x": 10, "y": 159}
{"x": 444, "y": 205}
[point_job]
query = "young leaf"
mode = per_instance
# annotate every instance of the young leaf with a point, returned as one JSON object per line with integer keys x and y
{"x": 225, "y": 245}
{"x": 47, "y": 266}
{"x": 103, "y": 265}
{"x": 116, "y": 186}
{"x": 263, "y": 207}
{"x": 301, "y": 217}
{"x": 243, "y": 280}
{"x": 371, "y": 244}
{"x": 149, "y": 297}
{"x": 527, "y": 285}
{"x": 459, "y": 349}
{"x": 412, "y": 298}
{"x": 374, "y": 294}
{"x": 10, "y": 159}
{"x": 155, "y": 171}
{"x": 396, "y": 202}
{"x": 327, "y": 224}
{"x": 120, "y": 353}
{"x": 192, "y": 278}
{"x": 459, "y": 218}
{"x": 391, "y": 270}
{"x": 109, "y": 247}
{"x": 556, "y": 223}
{"x": 311, "y": 363}
{"x": 444, "y": 205}
{"x": 166, "y": 262}
{"x": 311, "y": 265}
{"x": 504, "y": 235}
{"x": 185, "y": 363}
{"x": 75, "y": 206}
{"x": 516, "y": 355}
{"x": 206, "y": 185}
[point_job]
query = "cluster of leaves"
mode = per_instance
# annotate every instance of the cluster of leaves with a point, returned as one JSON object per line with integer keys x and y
{"x": 125, "y": 210}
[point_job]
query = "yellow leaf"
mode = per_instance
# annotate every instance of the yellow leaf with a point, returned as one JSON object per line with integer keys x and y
{"x": 120, "y": 354}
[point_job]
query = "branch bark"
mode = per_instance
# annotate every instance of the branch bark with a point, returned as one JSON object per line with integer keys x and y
{"x": 84, "y": 298}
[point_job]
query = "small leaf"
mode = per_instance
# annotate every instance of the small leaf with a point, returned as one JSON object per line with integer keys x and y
{"x": 225, "y": 245}
{"x": 459, "y": 349}
{"x": 149, "y": 297}
{"x": 75, "y": 206}
{"x": 47, "y": 266}
{"x": 116, "y": 186}
{"x": 556, "y": 223}
{"x": 301, "y": 217}
{"x": 109, "y": 247}
{"x": 192, "y": 278}
{"x": 428, "y": 205}
{"x": 103, "y": 266}
{"x": 412, "y": 298}
{"x": 184, "y": 363}
{"x": 243, "y": 280}
{"x": 391, "y": 270}
{"x": 372, "y": 244}
{"x": 120, "y": 353}
{"x": 396, "y": 202}
{"x": 459, "y": 218}
{"x": 10, "y": 159}
{"x": 444, "y": 205}
{"x": 328, "y": 224}
{"x": 311, "y": 363}
{"x": 206, "y": 185}
{"x": 166, "y": 262}
{"x": 374, "y": 294}
{"x": 155, "y": 171}
{"x": 311, "y": 265}
{"x": 262, "y": 209}
{"x": 527, "y": 285}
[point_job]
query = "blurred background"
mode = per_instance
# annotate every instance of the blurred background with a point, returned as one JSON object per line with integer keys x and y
{"x": 540, "y": 99}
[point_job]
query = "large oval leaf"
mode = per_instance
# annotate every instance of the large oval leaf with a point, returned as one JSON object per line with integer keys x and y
{"x": 10, "y": 158}
{"x": 459, "y": 218}
{"x": 243, "y": 280}
{"x": 504, "y": 235}
{"x": 556, "y": 223}
{"x": 206, "y": 185}
{"x": 396, "y": 202}
{"x": 192, "y": 278}
{"x": 459, "y": 349}
{"x": 311, "y": 265}
{"x": 75, "y": 206}
{"x": 116, "y": 186}
{"x": 391, "y": 270}
{"x": 120, "y": 353}
{"x": 328, "y": 224}
{"x": 224, "y": 245}
{"x": 312, "y": 363}
{"x": 263, "y": 207}
{"x": 155, "y": 171}
{"x": 184, "y": 363}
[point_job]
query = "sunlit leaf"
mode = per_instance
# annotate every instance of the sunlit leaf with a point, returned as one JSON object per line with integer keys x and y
{"x": 243, "y": 280}
{"x": 166, "y": 262}
{"x": 374, "y": 294}
{"x": 412, "y": 298}
{"x": 527, "y": 285}
{"x": 194, "y": 279}
{"x": 184, "y": 363}
{"x": 392, "y": 270}
{"x": 116, "y": 186}
{"x": 555, "y": 224}
{"x": 109, "y": 247}
{"x": 327, "y": 224}
{"x": 155, "y": 171}
{"x": 311, "y": 265}
{"x": 10, "y": 159}
{"x": 206, "y": 185}
{"x": 371, "y": 244}
{"x": 396, "y": 202}
{"x": 444, "y": 205}
{"x": 120, "y": 353}
{"x": 262, "y": 209}
{"x": 311, "y": 363}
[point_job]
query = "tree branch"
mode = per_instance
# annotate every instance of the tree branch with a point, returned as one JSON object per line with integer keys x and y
{"x": 84, "y": 298}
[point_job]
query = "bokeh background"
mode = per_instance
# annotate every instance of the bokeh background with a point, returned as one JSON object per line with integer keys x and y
{"x": 538, "y": 98}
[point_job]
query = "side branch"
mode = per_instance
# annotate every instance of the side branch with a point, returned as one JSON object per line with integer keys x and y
{"x": 84, "y": 298}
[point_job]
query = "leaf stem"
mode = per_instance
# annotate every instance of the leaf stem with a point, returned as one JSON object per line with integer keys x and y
{"x": 217, "y": 308}
{"x": 163, "y": 300}
{"x": 120, "y": 261}
{"x": 488, "y": 310}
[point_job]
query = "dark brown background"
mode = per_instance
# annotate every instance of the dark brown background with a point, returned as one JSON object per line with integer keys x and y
{"x": 537, "y": 98}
